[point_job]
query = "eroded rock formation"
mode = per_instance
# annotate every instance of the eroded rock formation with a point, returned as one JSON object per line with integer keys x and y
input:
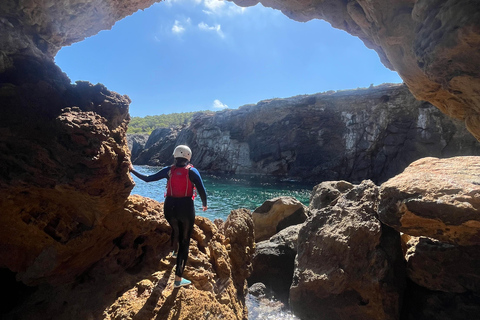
{"x": 277, "y": 214}
{"x": 438, "y": 201}
{"x": 347, "y": 261}
{"x": 437, "y": 198}
{"x": 348, "y": 135}
{"x": 348, "y": 265}
{"x": 131, "y": 271}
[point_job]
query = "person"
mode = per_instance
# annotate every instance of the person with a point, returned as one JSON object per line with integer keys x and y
{"x": 182, "y": 179}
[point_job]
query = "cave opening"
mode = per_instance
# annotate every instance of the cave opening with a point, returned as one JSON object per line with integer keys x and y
{"x": 186, "y": 55}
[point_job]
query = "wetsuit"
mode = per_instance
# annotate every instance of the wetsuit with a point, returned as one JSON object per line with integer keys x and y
{"x": 180, "y": 213}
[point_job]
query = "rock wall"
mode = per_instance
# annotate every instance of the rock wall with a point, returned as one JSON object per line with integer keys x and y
{"x": 348, "y": 135}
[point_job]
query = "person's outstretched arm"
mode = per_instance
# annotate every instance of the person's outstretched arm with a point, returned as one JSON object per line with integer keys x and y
{"x": 195, "y": 177}
{"x": 154, "y": 177}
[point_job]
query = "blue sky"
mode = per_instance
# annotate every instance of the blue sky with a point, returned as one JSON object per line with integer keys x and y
{"x": 190, "y": 55}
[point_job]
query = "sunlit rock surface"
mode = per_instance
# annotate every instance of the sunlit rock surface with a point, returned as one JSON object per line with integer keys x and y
{"x": 437, "y": 198}
{"x": 134, "y": 277}
{"x": 277, "y": 214}
{"x": 434, "y": 202}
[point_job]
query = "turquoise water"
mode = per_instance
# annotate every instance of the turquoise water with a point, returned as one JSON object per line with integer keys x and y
{"x": 228, "y": 192}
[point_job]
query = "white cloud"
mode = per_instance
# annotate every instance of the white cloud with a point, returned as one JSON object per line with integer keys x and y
{"x": 178, "y": 28}
{"x": 221, "y": 8}
{"x": 216, "y": 28}
{"x": 217, "y": 104}
{"x": 214, "y": 5}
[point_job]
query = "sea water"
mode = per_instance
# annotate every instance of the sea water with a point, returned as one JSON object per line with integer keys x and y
{"x": 229, "y": 192}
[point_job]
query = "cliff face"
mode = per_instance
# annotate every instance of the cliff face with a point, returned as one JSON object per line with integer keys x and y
{"x": 349, "y": 135}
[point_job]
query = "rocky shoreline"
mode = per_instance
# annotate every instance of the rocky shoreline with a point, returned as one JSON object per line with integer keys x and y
{"x": 407, "y": 249}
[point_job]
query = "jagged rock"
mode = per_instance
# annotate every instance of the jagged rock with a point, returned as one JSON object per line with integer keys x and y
{"x": 136, "y": 143}
{"x": 135, "y": 277}
{"x": 433, "y": 45}
{"x": 440, "y": 266}
{"x": 158, "y": 150}
{"x": 274, "y": 260}
{"x": 64, "y": 172}
{"x": 348, "y": 266}
{"x": 258, "y": 290}
{"x": 239, "y": 232}
{"x": 277, "y": 214}
{"x": 436, "y": 198}
{"x": 348, "y": 135}
{"x": 326, "y": 193}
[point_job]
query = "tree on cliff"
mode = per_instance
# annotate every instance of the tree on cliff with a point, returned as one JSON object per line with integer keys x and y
{"x": 149, "y": 123}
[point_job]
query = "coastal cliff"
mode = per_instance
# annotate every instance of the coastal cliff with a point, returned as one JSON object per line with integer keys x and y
{"x": 348, "y": 135}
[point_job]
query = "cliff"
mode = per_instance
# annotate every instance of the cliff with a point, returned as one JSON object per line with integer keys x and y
{"x": 347, "y": 135}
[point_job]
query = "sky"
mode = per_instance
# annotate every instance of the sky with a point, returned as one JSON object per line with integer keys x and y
{"x": 192, "y": 55}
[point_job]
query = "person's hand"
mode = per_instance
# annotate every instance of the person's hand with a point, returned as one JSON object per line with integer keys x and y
{"x": 205, "y": 208}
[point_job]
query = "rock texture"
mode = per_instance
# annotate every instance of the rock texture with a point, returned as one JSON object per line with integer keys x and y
{"x": 433, "y": 45}
{"x": 348, "y": 265}
{"x": 277, "y": 214}
{"x": 136, "y": 143}
{"x": 348, "y": 135}
{"x": 437, "y": 198}
{"x": 445, "y": 267}
{"x": 134, "y": 277}
{"x": 274, "y": 263}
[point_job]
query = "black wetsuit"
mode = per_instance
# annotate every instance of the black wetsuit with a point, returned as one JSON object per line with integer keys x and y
{"x": 180, "y": 213}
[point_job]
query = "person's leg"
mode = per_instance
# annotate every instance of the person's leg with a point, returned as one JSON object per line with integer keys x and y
{"x": 186, "y": 221}
{"x": 169, "y": 208}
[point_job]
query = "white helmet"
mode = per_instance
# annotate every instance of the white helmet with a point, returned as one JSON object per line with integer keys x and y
{"x": 182, "y": 151}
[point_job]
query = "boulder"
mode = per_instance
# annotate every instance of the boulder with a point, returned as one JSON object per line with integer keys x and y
{"x": 436, "y": 198}
{"x": 349, "y": 265}
{"x": 274, "y": 260}
{"x": 326, "y": 193}
{"x": 440, "y": 266}
{"x": 277, "y": 214}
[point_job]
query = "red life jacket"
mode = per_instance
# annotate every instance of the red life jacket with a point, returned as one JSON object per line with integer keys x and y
{"x": 178, "y": 183}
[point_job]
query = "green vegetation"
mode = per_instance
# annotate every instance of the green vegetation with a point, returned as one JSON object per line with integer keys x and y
{"x": 149, "y": 123}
